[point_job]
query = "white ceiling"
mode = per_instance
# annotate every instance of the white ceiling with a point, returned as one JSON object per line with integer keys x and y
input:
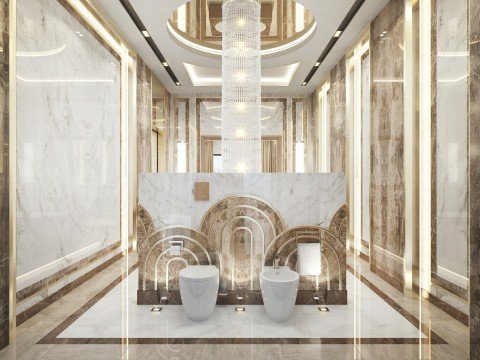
{"x": 154, "y": 14}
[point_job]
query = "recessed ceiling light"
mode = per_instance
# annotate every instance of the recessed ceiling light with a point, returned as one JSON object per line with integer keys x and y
{"x": 304, "y": 83}
{"x": 177, "y": 83}
{"x": 317, "y": 64}
{"x": 156, "y": 309}
{"x": 165, "y": 64}
{"x": 239, "y": 309}
{"x": 323, "y": 309}
{"x": 338, "y": 33}
{"x": 145, "y": 33}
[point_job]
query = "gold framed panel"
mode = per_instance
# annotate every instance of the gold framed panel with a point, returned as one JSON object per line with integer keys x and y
{"x": 187, "y": 133}
{"x": 304, "y": 101}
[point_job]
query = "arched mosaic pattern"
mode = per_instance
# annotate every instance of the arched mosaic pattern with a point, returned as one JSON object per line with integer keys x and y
{"x": 241, "y": 228}
{"x": 159, "y": 268}
{"x": 333, "y": 256}
{"x": 338, "y": 225}
{"x": 145, "y": 225}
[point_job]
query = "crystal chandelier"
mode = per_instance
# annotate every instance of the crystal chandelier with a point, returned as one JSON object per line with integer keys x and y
{"x": 241, "y": 87}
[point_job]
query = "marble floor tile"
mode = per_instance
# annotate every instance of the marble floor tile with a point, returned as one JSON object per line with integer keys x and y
{"x": 366, "y": 316}
{"x": 36, "y": 328}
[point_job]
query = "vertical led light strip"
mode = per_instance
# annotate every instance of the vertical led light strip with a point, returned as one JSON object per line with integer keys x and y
{"x": 12, "y": 168}
{"x": 409, "y": 147}
{"x": 241, "y": 87}
{"x": 425, "y": 145}
{"x": 425, "y": 155}
{"x": 357, "y": 150}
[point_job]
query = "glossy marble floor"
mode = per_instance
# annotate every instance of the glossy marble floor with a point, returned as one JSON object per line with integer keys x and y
{"x": 376, "y": 319}
{"x": 87, "y": 316}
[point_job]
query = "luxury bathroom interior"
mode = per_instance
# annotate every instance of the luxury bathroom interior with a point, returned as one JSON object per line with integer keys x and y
{"x": 240, "y": 179}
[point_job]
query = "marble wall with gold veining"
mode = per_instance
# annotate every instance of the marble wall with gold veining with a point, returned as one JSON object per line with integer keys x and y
{"x": 4, "y": 250}
{"x": 144, "y": 117}
{"x": 387, "y": 196}
{"x": 338, "y": 117}
{"x": 474, "y": 167}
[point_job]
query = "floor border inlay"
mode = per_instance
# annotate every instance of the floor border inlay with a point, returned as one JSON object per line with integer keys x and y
{"x": 52, "y": 336}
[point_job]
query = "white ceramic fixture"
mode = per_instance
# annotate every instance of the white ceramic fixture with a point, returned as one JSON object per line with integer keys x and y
{"x": 279, "y": 291}
{"x": 199, "y": 290}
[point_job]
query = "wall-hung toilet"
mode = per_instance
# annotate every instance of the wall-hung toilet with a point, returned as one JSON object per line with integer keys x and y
{"x": 199, "y": 290}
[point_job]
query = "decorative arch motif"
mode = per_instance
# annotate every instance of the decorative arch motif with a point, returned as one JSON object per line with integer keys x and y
{"x": 241, "y": 228}
{"x": 333, "y": 255}
{"x": 338, "y": 225}
{"x": 145, "y": 226}
{"x": 159, "y": 267}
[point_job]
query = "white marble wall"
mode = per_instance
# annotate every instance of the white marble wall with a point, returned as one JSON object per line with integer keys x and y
{"x": 300, "y": 199}
{"x": 452, "y": 140}
{"x": 68, "y": 141}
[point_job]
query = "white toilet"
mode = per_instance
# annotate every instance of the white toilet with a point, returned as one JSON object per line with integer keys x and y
{"x": 199, "y": 290}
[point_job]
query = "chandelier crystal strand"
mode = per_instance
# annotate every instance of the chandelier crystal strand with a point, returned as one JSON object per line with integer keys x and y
{"x": 241, "y": 87}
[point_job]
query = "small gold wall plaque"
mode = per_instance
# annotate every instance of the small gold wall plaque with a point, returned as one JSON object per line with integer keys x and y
{"x": 202, "y": 191}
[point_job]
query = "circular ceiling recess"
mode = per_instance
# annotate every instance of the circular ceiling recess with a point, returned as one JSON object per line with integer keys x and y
{"x": 198, "y": 25}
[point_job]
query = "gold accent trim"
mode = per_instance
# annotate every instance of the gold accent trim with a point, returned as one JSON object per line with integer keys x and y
{"x": 304, "y": 101}
{"x": 187, "y": 134}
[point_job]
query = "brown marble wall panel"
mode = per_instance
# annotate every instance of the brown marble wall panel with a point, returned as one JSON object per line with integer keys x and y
{"x": 144, "y": 117}
{"x": 4, "y": 250}
{"x": 338, "y": 116}
{"x": 474, "y": 19}
{"x": 387, "y": 194}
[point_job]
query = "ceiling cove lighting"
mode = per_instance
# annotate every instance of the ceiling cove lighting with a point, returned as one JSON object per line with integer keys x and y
{"x": 284, "y": 80}
{"x": 241, "y": 87}
{"x": 141, "y": 27}
{"x": 341, "y": 29}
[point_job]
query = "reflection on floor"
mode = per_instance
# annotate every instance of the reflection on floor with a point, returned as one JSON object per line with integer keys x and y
{"x": 72, "y": 306}
{"x": 376, "y": 319}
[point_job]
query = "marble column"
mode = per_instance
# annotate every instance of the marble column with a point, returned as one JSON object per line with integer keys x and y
{"x": 4, "y": 251}
{"x": 387, "y": 193}
{"x": 144, "y": 117}
{"x": 338, "y": 117}
{"x": 474, "y": 16}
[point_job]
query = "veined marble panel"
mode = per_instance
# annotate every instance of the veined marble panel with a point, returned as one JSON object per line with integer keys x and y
{"x": 474, "y": 162}
{"x": 387, "y": 195}
{"x": 366, "y": 149}
{"x": 300, "y": 199}
{"x": 144, "y": 117}
{"x": 451, "y": 151}
{"x": 240, "y": 229}
{"x": 338, "y": 116}
{"x": 68, "y": 140}
{"x": 4, "y": 246}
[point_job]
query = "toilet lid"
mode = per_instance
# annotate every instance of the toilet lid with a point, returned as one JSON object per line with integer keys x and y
{"x": 199, "y": 272}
